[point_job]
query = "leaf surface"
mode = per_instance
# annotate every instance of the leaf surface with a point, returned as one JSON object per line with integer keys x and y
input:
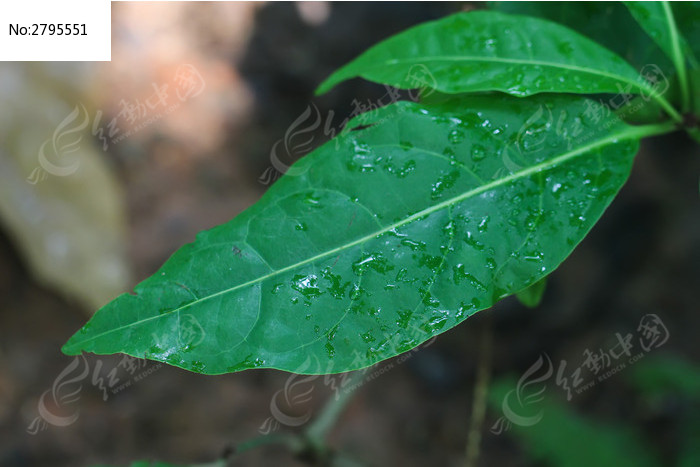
{"x": 383, "y": 238}
{"x": 607, "y": 23}
{"x": 687, "y": 15}
{"x": 492, "y": 51}
{"x": 657, "y": 19}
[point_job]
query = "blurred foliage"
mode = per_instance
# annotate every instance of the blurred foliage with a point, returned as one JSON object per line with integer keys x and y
{"x": 532, "y": 296}
{"x": 671, "y": 386}
{"x": 663, "y": 376}
{"x": 59, "y": 201}
{"x": 220, "y": 463}
{"x": 565, "y": 438}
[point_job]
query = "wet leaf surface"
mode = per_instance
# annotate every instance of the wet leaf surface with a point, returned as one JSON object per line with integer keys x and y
{"x": 492, "y": 51}
{"x": 380, "y": 240}
{"x": 657, "y": 19}
{"x": 608, "y": 23}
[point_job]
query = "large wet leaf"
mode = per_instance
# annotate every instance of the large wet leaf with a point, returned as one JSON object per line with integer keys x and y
{"x": 492, "y": 51}
{"x": 379, "y": 239}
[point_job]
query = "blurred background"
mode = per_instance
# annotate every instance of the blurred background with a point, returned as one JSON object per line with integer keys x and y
{"x": 107, "y": 168}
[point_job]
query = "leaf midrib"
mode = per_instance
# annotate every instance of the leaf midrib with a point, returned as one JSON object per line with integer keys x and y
{"x": 627, "y": 133}
{"x": 519, "y": 61}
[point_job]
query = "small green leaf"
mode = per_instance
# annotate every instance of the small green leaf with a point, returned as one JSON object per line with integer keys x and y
{"x": 383, "y": 238}
{"x": 657, "y": 19}
{"x": 491, "y": 51}
{"x": 532, "y": 296}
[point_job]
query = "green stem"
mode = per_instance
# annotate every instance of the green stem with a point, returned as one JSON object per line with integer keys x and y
{"x": 678, "y": 61}
{"x": 481, "y": 389}
{"x": 317, "y": 432}
{"x": 644, "y": 131}
{"x": 289, "y": 440}
{"x": 313, "y": 439}
{"x": 666, "y": 105}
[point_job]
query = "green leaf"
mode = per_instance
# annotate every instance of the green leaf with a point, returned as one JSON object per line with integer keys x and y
{"x": 687, "y": 15}
{"x": 657, "y": 19}
{"x": 607, "y": 23}
{"x": 382, "y": 238}
{"x": 532, "y": 296}
{"x": 565, "y": 438}
{"x": 491, "y": 51}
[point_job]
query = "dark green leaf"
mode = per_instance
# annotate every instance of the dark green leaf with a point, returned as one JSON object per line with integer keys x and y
{"x": 608, "y": 23}
{"x": 532, "y": 296}
{"x": 687, "y": 15}
{"x": 381, "y": 239}
{"x": 491, "y": 51}
{"x": 657, "y": 19}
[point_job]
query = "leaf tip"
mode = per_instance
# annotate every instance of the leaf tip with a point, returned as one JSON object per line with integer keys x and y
{"x": 324, "y": 87}
{"x": 70, "y": 349}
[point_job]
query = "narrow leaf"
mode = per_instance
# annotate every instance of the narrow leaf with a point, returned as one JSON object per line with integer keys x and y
{"x": 492, "y": 51}
{"x": 687, "y": 16}
{"x": 607, "y": 23}
{"x": 385, "y": 237}
{"x": 657, "y": 19}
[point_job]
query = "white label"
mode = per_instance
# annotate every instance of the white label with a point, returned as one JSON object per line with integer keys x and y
{"x": 58, "y": 30}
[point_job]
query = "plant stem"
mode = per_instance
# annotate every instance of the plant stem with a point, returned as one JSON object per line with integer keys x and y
{"x": 318, "y": 430}
{"x": 678, "y": 61}
{"x": 291, "y": 441}
{"x": 644, "y": 131}
{"x": 483, "y": 376}
{"x": 313, "y": 438}
{"x": 666, "y": 105}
